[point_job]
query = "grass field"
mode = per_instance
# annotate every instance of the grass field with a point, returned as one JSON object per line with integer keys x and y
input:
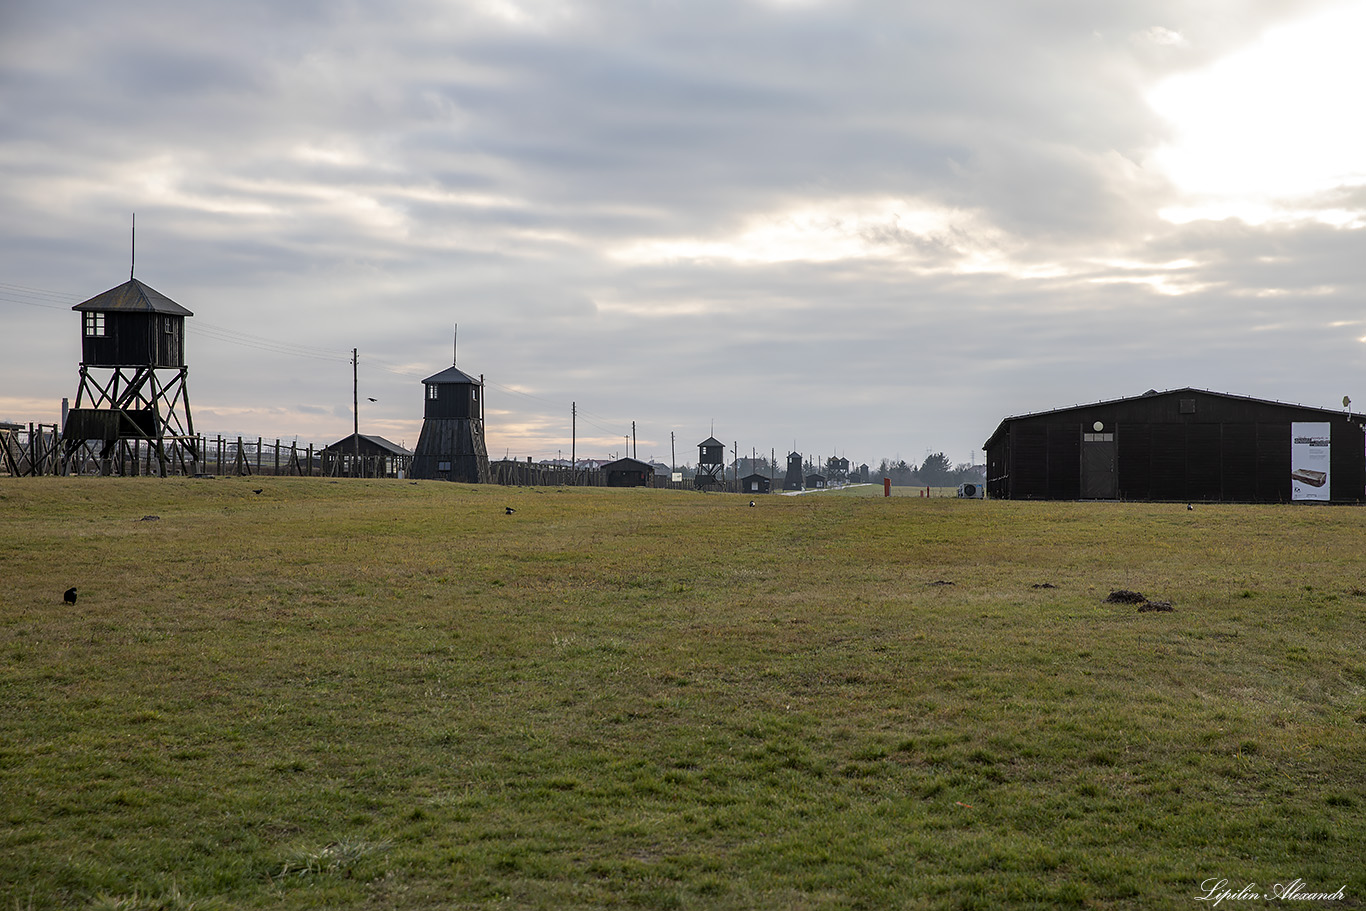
{"x": 395, "y": 695}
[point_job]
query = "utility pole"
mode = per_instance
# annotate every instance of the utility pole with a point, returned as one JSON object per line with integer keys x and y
{"x": 673, "y": 456}
{"x": 355, "y": 405}
{"x": 573, "y": 434}
{"x": 633, "y": 440}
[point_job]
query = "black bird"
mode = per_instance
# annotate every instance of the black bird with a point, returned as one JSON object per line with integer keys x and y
{"x": 509, "y": 510}
{"x": 1188, "y": 506}
{"x": 70, "y": 596}
{"x": 373, "y": 400}
{"x": 751, "y": 502}
{"x": 258, "y": 490}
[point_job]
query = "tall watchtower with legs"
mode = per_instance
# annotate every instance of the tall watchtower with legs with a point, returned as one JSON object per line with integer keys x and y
{"x": 133, "y": 396}
{"x": 451, "y": 445}
{"x": 711, "y": 463}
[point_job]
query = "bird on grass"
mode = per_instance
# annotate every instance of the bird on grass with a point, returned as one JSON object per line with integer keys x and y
{"x": 1190, "y": 507}
{"x": 751, "y": 502}
{"x": 70, "y": 596}
{"x": 508, "y": 510}
{"x": 258, "y": 490}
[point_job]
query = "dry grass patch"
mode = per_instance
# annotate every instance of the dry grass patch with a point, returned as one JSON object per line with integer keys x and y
{"x": 338, "y": 694}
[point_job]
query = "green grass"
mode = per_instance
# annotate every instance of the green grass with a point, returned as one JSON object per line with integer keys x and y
{"x": 388, "y": 695}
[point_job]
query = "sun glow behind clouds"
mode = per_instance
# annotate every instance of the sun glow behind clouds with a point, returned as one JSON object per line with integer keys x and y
{"x": 1261, "y": 132}
{"x": 921, "y": 237}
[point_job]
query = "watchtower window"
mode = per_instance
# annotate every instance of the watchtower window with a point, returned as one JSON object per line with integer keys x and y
{"x": 94, "y": 325}
{"x": 433, "y": 392}
{"x": 168, "y": 325}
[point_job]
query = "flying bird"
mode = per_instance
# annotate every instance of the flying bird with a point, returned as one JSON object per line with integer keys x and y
{"x": 70, "y": 596}
{"x": 373, "y": 400}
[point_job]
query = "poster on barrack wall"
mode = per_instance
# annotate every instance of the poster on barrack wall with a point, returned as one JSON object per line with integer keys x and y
{"x": 1309, "y": 450}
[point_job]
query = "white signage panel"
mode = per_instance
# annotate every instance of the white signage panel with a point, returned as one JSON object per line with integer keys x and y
{"x": 1309, "y": 451}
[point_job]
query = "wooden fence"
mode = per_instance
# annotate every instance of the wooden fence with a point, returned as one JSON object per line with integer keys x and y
{"x": 36, "y": 450}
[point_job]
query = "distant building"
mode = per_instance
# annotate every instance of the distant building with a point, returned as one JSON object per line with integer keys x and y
{"x": 374, "y": 457}
{"x": 756, "y": 483}
{"x": 1182, "y": 445}
{"x": 815, "y": 482}
{"x": 628, "y": 473}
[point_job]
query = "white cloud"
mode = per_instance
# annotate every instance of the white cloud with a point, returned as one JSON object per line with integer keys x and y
{"x": 1259, "y": 131}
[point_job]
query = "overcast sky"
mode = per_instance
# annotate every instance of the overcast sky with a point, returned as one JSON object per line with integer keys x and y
{"x": 861, "y": 227}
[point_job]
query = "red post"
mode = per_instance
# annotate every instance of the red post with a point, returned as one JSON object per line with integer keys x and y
{"x": 886, "y": 487}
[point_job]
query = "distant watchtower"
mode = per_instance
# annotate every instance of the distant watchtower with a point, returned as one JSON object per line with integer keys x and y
{"x": 451, "y": 445}
{"x": 793, "y": 479}
{"x": 711, "y": 463}
{"x": 133, "y": 372}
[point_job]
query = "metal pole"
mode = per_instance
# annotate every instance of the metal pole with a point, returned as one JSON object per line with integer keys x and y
{"x": 355, "y": 405}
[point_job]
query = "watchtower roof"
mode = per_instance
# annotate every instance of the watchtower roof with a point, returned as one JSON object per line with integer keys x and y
{"x": 452, "y": 375}
{"x": 711, "y": 441}
{"x": 133, "y": 297}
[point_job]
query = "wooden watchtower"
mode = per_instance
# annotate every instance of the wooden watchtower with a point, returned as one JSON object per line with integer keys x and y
{"x": 133, "y": 395}
{"x": 451, "y": 445}
{"x": 711, "y": 463}
{"x": 793, "y": 479}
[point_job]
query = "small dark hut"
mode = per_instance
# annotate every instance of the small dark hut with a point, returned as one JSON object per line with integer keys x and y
{"x": 815, "y": 482}
{"x": 1182, "y": 445}
{"x": 756, "y": 483}
{"x": 628, "y": 472}
{"x": 375, "y": 457}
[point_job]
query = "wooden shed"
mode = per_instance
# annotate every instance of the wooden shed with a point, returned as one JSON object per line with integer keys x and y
{"x": 628, "y": 473}
{"x": 756, "y": 483}
{"x": 1180, "y": 445}
{"x": 369, "y": 457}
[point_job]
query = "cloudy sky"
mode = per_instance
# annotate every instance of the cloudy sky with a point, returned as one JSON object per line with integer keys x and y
{"x": 860, "y": 227}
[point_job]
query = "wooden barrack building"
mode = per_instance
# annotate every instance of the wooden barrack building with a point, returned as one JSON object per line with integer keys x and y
{"x": 1181, "y": 445}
